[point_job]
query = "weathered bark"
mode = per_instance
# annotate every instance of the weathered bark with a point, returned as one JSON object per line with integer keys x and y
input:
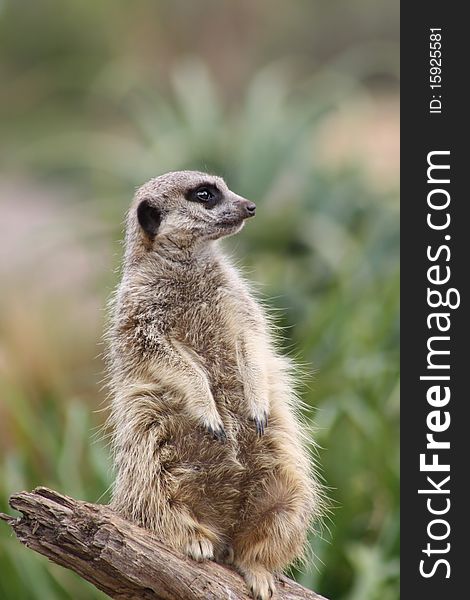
{"x": 121, "y": 559}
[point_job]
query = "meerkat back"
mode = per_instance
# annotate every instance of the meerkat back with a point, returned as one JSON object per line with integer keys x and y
{"x": 209, "y": 452}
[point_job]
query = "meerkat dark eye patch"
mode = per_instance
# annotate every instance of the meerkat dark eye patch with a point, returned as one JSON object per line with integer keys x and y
{"x": 149, "y": 217}
{"x": 206, "y": 194}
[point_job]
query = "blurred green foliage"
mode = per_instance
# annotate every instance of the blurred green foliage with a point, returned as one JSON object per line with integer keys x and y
{"x": 93, "y": 106}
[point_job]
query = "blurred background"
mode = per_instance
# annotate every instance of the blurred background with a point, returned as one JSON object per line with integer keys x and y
{"x": 295, "y": 104}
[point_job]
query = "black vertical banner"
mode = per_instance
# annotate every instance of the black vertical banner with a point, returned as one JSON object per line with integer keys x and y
{"x": 435, "y": 438}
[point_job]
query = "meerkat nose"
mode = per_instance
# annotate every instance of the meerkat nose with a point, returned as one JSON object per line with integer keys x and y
{"x": 250, "y": 208}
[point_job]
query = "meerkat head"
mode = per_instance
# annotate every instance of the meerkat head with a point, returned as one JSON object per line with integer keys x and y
{"x": 185, "y": 207}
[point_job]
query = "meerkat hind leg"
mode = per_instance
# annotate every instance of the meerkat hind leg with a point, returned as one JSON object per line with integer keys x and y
{"x": 273, "y": 532}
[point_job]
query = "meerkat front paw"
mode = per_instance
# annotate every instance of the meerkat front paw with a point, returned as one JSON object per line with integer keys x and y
{"x": 215, "y": 428}
{"x": 260, "y": 582}
{"x": 261, "y": 422}
{"x": 200, "y": 549}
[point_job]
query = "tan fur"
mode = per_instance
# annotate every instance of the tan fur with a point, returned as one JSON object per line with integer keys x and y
{"x": 191, "y": 359}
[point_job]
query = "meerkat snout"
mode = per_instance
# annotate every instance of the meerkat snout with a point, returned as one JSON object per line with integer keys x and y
{"x": 250, "y": 208}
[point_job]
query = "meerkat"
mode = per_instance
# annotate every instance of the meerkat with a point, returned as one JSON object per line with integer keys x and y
{"x": 208, "y": 448}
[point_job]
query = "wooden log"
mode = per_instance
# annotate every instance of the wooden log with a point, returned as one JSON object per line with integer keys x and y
{"x": 121, "y": 559}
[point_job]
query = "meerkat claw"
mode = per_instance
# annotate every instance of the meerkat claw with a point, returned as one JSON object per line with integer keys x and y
{"x": 200, "y": 550}
{"x": 261, "y": 424}
{"x": 259, "y": 427}
{"x": 260, "y": 583}
{"x": 218, "y": 434}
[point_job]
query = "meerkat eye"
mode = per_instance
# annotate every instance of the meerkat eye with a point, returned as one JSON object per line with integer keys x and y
{"x": 207, "y": 194}
{"x": 204, "y": 195}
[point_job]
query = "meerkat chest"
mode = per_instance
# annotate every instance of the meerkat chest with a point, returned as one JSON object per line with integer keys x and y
{"x": 212, "y": 324}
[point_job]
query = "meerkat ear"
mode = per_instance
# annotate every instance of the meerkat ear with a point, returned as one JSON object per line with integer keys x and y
{"x": 149, "y": 217}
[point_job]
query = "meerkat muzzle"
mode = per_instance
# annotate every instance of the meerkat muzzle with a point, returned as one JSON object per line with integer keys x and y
{"x": 248, "y": 208}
